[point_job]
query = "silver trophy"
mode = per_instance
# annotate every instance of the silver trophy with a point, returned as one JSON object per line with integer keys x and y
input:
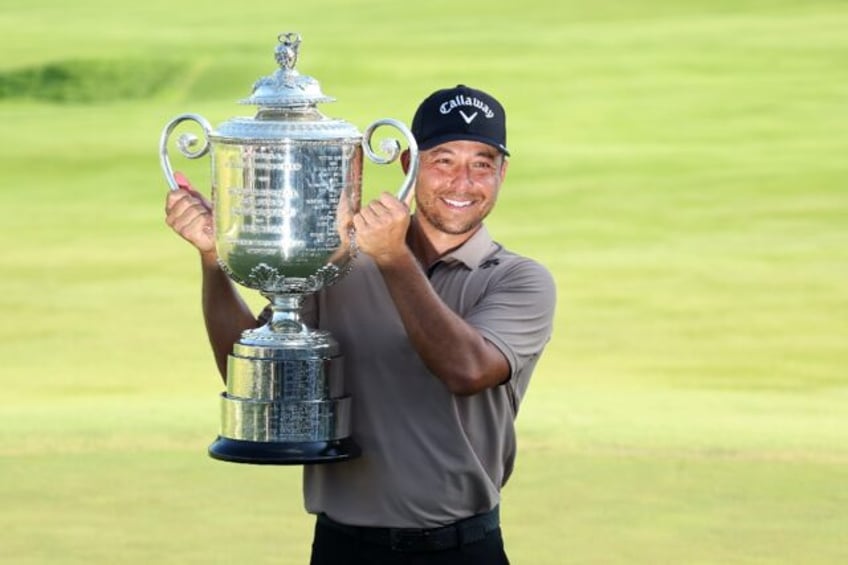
{"x": 285, "y": 186}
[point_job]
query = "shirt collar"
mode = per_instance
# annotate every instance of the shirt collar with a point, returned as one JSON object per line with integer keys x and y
{"x": 474, "y": 251}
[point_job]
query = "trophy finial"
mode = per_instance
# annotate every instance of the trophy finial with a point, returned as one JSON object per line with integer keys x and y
{"x": 286, "y": 51}
{"x": 286, "y": 87}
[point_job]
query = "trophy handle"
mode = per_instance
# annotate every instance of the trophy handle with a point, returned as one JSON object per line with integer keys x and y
{"x": 391, "y": 147}
{"x": 185, "y": 143}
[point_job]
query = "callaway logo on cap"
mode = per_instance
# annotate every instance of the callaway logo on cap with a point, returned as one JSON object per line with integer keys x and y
{"x": 460, "y": 113}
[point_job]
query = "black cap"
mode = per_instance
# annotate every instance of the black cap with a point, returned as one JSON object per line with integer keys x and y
{"x": 460, "y": 113}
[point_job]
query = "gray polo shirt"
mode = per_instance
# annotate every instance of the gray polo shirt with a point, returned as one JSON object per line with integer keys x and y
{"x": 429, "y": 457}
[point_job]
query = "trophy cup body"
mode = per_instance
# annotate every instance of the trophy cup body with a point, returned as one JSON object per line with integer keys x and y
{"x": 285, "y": 187}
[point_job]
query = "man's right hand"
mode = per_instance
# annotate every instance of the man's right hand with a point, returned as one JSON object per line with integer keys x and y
{"x": 190, "y": 215}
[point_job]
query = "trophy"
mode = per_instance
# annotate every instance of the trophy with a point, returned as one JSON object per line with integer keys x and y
{"x": 285, "y": 186}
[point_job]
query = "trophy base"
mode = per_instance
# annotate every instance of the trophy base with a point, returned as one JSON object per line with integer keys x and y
{"x": 283, "y": 453}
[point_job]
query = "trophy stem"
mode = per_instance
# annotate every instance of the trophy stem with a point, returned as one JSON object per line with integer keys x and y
{"x": 285, "y": 314}
{"x": 284, "y": 325}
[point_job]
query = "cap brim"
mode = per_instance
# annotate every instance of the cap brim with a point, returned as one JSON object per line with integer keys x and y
{"x": 439, "y": 139}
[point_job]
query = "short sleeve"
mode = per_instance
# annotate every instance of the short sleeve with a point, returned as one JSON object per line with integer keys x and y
{"x": 515, "y": 312}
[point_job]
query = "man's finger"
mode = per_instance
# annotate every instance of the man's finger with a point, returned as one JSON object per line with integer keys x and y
{"x": 373, "y": 211}
{"x": 185, "y": 184}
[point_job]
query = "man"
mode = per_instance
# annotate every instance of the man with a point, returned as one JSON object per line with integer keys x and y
{"x": 440, "y": 327}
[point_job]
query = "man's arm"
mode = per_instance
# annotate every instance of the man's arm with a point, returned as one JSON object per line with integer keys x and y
{"x": 452, "y": 349}
{"x": 225, "y": 313}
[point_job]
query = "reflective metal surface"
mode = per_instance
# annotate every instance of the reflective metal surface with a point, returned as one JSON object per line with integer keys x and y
{"x": 275, "y": 421}
{"x": 284, "y": 212}
{"x": 285, "y": 187}
{"x": 286, "y": 381}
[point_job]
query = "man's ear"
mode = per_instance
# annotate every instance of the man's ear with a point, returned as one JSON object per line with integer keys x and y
{"x": 504, "y": 167}
{"x": 404, "y": 161}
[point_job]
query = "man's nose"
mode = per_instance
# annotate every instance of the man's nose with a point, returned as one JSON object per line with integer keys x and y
{"x": 464, "y": 176}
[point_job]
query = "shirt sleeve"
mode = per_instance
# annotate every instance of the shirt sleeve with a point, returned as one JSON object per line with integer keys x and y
{"x": 515, "y": 312}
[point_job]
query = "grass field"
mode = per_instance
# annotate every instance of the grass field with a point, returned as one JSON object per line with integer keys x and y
{"x": 680, "y": 166}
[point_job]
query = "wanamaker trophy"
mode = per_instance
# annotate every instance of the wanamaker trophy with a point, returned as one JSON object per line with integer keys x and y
{"x": 285, "y": 187}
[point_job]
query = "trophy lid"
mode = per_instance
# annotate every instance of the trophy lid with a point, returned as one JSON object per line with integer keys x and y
{"x": 287, "y": 88}
{"x": 287, "y": 104}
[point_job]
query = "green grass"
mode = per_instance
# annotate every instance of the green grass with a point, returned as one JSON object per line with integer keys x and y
{"x": 680, "y": 167}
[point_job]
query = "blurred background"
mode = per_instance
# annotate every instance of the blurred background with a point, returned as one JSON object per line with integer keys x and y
{"x": 680, "y": 166}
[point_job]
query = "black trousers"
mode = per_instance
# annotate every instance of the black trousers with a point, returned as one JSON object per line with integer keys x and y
{"x": 333, "y": 547}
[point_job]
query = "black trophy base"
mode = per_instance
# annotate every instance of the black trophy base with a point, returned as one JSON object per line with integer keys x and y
{"x": 283, "y": 453}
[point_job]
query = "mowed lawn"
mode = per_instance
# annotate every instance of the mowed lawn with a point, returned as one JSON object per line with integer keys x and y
{"x": 680, "y": 166}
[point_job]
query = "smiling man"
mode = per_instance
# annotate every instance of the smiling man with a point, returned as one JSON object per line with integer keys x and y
{"x": 441, "y": 328}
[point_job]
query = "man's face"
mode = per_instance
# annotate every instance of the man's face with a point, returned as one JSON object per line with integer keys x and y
{"x": 458, "y": 184}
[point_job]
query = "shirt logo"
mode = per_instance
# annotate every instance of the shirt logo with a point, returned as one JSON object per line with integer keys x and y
{"x": 490, "y": 263}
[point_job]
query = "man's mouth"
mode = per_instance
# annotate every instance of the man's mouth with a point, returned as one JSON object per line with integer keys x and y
{"x": 458, "y": 203}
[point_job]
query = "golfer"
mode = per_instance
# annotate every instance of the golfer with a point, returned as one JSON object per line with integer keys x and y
{"x": 441, "y": 328}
